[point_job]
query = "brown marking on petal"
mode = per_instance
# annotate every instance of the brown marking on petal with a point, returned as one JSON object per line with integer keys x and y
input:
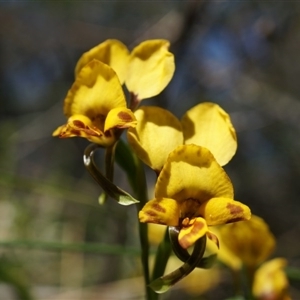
{"x": 198, "y": 153}
{"x": 234, "y": 209}
{"x": 197, "y": 226}
{"x": 79, "y": 124}
{"x": 150, "y": 213}
{"x": 185, "y": 241}
{"x": 124, "y": 116}
{"x": 158, "y": 208}
{"x": 76, "y": 132}
{"x": 236, "y": 220}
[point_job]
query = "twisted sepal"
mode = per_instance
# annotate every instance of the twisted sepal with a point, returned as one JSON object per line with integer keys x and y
{"x": 183, "y": 254}
{"x": 108, "y": 186}
{"x": 163, "y": 283}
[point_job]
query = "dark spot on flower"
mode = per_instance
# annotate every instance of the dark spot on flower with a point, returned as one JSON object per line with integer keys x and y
{"x": 124, "y": 116}
{"x": 197, "y": 227}
{"x": 75, "y": 132}
{"x": 151, "y": 213}
{"x": 108, "y": 134}
{"x": 235, "y": 220}
{"x": 78, "y": 124}
{"x": 158, "y": 208}
{"x": 234, "y": 209}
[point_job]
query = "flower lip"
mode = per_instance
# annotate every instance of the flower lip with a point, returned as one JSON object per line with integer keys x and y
{"x": 189, "y": 208}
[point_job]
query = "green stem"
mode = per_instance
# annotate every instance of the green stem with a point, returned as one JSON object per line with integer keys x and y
{"x": 133, "y": 167}
{"x": 140, "y": 189}
{"x": 163, "y": 253}
{"x": 248, "y": 274}
{"x": 109, "y": 161}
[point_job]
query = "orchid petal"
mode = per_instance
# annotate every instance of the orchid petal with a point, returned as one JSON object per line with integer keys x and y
{"x": 208, "y": 125}
{"x": 252, "y": 241}
{"x": 190, "y": 233}
{"x": 82, "y": 126}
{"x": 151, "y": 67}
{"x": 111, "y": 52}
{"x": 191, "y": 172}
{"x": 120, "y": 117}
{"x": 270, "y": 280}
{"x": 217, "y": 211}
{"x": 160, "y": 211}
{"x": 157, "y": 133}
{"x": 95, "y": 92}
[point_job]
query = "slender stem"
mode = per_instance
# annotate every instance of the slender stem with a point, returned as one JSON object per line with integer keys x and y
{"x": 163, "y": 253}
{"x": 109, "y": 161}
{"x": 140, "y": 188}
{"x": 248, "y": 276}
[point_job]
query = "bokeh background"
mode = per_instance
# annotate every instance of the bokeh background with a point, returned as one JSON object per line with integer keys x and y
{"x": 56, "y": 241}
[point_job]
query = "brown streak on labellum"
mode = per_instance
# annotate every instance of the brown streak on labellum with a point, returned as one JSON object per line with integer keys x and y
{"x": 197, "y": 227}
{"x": 78, "y": 123}
{"x": 235, "y": 220}
{"x": 75, "y": 132}
{"x": 124, "y": 116}
{"x": 158, "y": 208}
{"x": 151, "y": 213}
{"x": 234, "y": 209}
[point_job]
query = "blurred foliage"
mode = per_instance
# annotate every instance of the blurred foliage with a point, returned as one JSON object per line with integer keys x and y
{"x": 242, "y": 55}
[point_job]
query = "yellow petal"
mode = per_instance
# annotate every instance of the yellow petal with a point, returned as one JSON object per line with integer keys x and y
{"x": 252, "y": 241}
{"x": 270, "y": 281}
{"x": 217, "y": 211}
{"x": 160, "y": 211}
{"x": 209, "y": 126}
{"x": 190, "y": 233}
{"x": 151, "y": 67}
{"x": 191, "y": 172}
{"x": 111, "y": 52}
{"x": 120, "y": 117}
{"x": 225, "y": 255}
{"x": 82, "y": 126}
{"x": 95, "y": 92}
{"x": 157, "y": 133}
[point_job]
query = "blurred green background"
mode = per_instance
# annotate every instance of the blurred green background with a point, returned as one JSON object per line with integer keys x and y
{"x": 243, "y": 55}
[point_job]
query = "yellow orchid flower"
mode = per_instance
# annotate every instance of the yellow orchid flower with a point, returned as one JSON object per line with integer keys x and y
{"x": 193, "y": 192}
{"x": 96, "y": 106}
{"x": 251, "y": 241}
{"x": 270, "y": 281}
{"x": 159, "y": 132}
{"x": 146, "y": 71}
